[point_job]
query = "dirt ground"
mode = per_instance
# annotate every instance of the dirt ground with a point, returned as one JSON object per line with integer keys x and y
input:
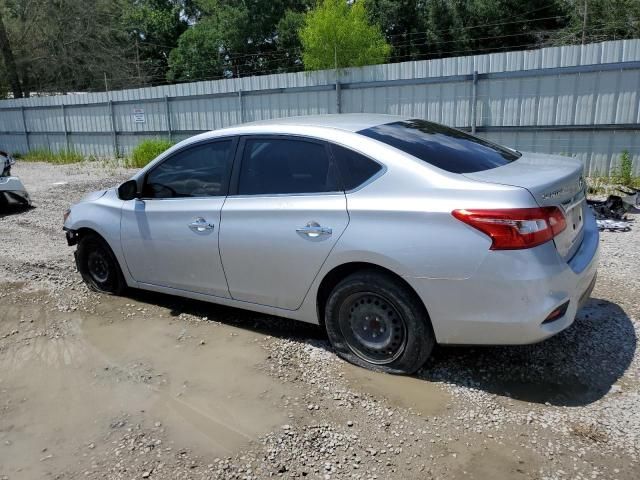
{"x": 154, "y": 386}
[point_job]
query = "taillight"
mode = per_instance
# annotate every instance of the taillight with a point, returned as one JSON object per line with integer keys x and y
{"x": 515, "y": 228}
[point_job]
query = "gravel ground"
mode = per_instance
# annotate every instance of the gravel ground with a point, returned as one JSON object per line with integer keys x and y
{"x": 152, "y": 386}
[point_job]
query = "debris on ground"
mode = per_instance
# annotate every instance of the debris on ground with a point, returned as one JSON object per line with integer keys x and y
{"x": 615, "y": 207}
{"x": 611, "y": 213}
{"x": 613, "y": 225}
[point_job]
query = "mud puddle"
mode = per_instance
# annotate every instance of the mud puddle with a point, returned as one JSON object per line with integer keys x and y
{"x": 65, "y": 377}
{"x": 422, "y": 396}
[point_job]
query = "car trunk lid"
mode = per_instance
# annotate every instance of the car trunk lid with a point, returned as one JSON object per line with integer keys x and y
{"x": 553, "y": 181}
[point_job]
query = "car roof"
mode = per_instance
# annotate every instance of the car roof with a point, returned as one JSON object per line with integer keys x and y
{"x": 351, "y": 122}
{"x": 318, "y": 125}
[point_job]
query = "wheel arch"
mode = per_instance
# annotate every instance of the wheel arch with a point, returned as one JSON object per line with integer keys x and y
{"x": 340, "y": 272}
{"x": 83, "y": 230}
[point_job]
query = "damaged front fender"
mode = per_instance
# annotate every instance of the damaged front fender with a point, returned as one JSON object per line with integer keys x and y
{"x": 12, "y": 189}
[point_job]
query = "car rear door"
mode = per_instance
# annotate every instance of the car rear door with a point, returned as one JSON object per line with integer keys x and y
{"x": 285, "y": 213}
{"x": 170, "y": 236}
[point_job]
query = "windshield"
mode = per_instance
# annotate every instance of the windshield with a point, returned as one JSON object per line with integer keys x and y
{"x": 443, "y": 147}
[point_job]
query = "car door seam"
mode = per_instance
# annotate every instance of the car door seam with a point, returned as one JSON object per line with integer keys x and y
{"x": 346, "y": 206}
{"x": 224, "y": 272}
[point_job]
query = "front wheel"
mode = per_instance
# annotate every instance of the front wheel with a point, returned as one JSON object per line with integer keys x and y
{"x": 375, "y": 321}
{"x": 98, "y": 265}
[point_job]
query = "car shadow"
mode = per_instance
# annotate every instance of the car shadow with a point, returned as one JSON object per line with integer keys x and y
{"x": 9, "y": 209}
{"x": 257, "y": 322}
{"x": 576, "y": 367}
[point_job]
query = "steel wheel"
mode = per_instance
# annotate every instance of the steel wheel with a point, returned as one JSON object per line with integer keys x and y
{"x": 98, "y": 265}
{"x": 372, "y": 327}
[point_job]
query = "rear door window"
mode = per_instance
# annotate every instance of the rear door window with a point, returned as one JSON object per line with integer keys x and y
{"x": 285, "y": 166}
{"x": 443, "y": 147}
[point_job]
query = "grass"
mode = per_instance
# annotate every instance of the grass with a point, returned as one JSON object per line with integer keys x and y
{"x": 61, "y": 157}
{"x": 605, "y": 185}
{"x": 622, "y": 175}
{"x": 142, "y": 154}
{"x": 625, "y": 171}
{"x": 147, "y": 151}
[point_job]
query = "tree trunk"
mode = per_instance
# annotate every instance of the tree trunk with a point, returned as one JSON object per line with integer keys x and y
{"x": 9, "y": 61}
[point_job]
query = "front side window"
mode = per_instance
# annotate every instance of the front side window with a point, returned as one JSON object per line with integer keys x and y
{"x": 285, "y": 166}
{"x": 443, "y": 147}
{"x": 200, "y": 171}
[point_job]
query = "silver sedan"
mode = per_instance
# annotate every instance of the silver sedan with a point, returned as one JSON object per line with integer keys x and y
{"x": 393, "y": 233}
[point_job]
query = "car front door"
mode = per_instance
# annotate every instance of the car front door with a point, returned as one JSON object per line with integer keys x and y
{"x": 170, "y": 235}
{"x": 285, "y": 213}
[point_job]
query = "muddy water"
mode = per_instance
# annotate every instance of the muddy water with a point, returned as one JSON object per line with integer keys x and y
{"x": 419, "y": 395}
{"x": 64, "y": 378}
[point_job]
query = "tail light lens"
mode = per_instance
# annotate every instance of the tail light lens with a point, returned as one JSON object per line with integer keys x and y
{"x": 515, "y": 228}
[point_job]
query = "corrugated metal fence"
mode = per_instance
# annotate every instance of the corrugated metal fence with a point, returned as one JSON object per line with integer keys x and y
{"x": 573, "y": 100}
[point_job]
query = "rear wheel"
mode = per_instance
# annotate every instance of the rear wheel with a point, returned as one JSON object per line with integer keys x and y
{"x": 376, "y": 322}
{"x": 98, "y": 265}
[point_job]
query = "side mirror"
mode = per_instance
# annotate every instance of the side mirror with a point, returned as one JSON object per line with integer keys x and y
{"x": 128, "y": 190}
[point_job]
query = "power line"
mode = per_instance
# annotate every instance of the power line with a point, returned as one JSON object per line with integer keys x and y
{"x": 258, "y": 62}
{"x": 456, "y": 29}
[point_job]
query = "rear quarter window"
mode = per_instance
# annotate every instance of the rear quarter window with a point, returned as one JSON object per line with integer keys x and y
{"x": 355, "y": 169}
{"x": 443, "y": 147}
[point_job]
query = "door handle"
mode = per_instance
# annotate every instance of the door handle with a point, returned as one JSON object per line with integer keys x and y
{"x": 314, "y": 229}
{"x": 200, "y": 225}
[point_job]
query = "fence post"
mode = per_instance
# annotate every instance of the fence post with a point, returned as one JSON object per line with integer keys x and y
{"x": 167, "y": 112}
{"x": 241, "y": 106}
{"x": 66, "y": 130}
{"x": 474, "y": 101}
{"x": 335, "y": 65}
{"x": 24, "y": 128}
{"x": 113, "y": 130}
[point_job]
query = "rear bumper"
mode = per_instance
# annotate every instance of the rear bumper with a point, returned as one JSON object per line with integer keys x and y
{"x": 511, "y": 294}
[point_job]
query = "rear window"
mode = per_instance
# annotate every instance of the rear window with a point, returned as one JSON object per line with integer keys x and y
{"x": 443, "y": 147}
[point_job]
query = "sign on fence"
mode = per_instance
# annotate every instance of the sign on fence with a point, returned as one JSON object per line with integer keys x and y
{"x": 138, "y": 115}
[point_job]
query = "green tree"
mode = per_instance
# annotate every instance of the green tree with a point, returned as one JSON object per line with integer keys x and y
{"x": 4, "y": 88}
{"x": 154, "y": 27}
{"x": 231, "y": 38}
{"x": 403, "y": 24}
{"x": 288, "y": 41}
{"x": 206, "y": 48}
{"x": 605, "y": 20}
{"x": 418, "y": 30}
{"x": 61, "y": 45}
{"x": 336, "y": 34}
{"x": 8, "y": 61}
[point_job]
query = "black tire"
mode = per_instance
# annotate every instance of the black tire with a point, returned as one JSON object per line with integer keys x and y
{"x": 98, "y": 265}
{"x": 376, "y": 322}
